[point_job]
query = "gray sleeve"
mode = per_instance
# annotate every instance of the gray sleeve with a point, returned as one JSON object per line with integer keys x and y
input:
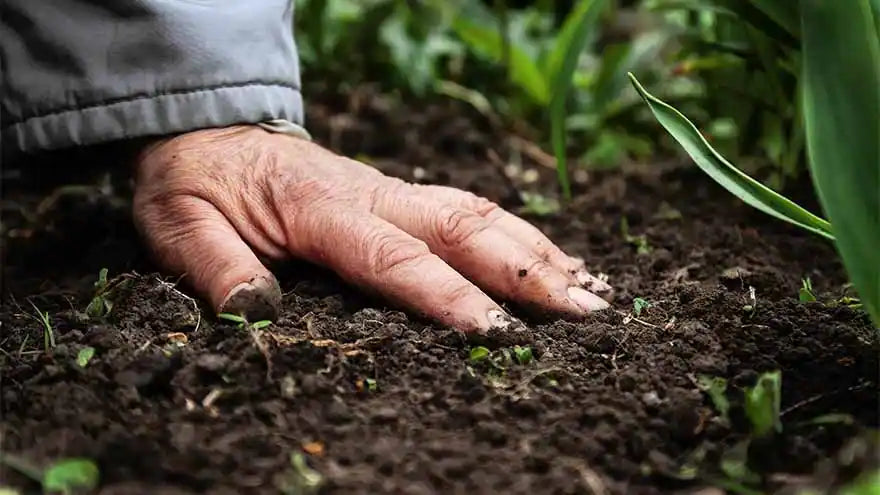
{"x": 81, "y": 72}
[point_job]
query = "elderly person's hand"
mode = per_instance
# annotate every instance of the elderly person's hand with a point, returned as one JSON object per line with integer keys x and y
{"x": 211, "y": 203}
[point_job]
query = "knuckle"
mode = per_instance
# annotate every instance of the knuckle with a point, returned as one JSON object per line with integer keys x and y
{"x": 483, "y": 207}
{"x": 457, "y": 226}
{"x": 454, "y": 293}
{"x": 537, "y": 272}
{"x": 389, "y": 253}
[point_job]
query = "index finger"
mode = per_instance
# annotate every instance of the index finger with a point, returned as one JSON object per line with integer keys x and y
{"x": 373, "y": 254}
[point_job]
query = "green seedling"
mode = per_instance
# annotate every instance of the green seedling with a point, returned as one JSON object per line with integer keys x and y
{"x": 805, "y": 293}
{"x": 372, "y": 386}
{"x": 242, "y": 323}
{"x": 716, "y": 389}
{"x": 640, "y": 242}
{"x": 66, "y": 476}
{"x": 48, "y": 332}
{"x": 523, "y": 354}
{"x": 762, "y": 404}
{"x": 84, "y": 356}
{"x": 640, "y": 305}
{"x": 478, "y": 354}
{"x": 7, "y": 490}
{"x": 299, "y": 478}
{"x": 99, "y": 305}
{"x": 538, "y": 204}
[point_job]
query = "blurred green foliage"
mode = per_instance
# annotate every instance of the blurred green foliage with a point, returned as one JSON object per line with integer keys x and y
{"x": 736, "y": 81}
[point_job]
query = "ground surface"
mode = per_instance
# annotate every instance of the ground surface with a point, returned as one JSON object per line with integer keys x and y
{"x": 609, "y": 405}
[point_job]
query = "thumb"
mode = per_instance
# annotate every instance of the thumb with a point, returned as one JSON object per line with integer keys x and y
{"x": 188, "y": 235}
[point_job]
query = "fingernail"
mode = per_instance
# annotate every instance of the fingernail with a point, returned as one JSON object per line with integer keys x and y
{"x": 586, "y": 300}
{"x": 593, "y": 284}
{"x": 257, "y": 299}
{"x": 499, "y": 319}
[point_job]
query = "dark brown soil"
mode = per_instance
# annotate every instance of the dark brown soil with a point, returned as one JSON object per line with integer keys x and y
{"x": 609, "y": 405}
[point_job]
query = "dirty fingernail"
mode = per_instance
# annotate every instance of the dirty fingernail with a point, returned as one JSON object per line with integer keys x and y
{"x": 499, "y": 319}
{"x": 257, "y": 299}
{"x": 591, "y": 283}
{"x": 587, "y": 301}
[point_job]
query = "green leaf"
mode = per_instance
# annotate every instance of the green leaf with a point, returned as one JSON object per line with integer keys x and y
{"x": 841, "y": 103}
{"x": 710, "y": 161}
{"x": 371, "y": 384}
{"x": 257, "y": 325}
{"x": 232, "y": 317}
{"x": 489, "y": 43}
{"x": 783, "y": 12}
{"x": 805, "y": 293}
{"x": 563, "y": 62}
{"x": 6, "y": 490}
{"x": 84, "y": 356}
{"x": 640, "y": 305}
{"x": 715, "y": 388}
{"x": 830, "y": 419}
{"x": 523, "y": 354}
{"x": 479, "y": 353}
{"x": 72, "y": 474}
{"x": 762, "y": 404}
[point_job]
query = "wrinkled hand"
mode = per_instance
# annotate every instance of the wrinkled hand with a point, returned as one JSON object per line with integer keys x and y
{"x": 211, "y": 203}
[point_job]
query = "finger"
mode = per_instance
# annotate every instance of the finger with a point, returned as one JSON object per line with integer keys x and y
{"x": 189, "y": 236}
{"x": 485, "y": 254}
{"x": 522, "y": 231}
{"x": 374, "y": 254}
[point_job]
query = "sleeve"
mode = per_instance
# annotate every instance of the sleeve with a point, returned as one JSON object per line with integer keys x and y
{"x": 83, "y": 72}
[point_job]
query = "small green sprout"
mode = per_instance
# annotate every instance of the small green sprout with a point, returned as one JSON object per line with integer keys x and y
{"x": 640, "y": 305}
{"x": 523, "y": 354}
{"x": 48, "y": 332}
{"x": 99, "y": 305}
{"x": 242, "y": 322}
{"x": 762, "y": 404}
{"x": 84, "y": 356}
{"x": 640, "y": 242}
{"x": 233, "y": 318}
{"x": 70, "y": 475}
{"x": 805, "y": 293}
{"x": 371, "y": 384}
{"x": 299, "y": 478}
{"x": 478, "y": 353}
{"x": 715, "y": 388}
{"x": 67, "y": 476}
{"x": 538, "y": 204}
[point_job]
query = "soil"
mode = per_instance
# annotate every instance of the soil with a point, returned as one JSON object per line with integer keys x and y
{"x": 175, "y": 401}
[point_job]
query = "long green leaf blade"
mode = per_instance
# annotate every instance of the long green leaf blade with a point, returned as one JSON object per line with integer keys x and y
{"x": 782, "y": 12}
{"x": 563, "y": 61}
{"x": 841, "y": 101}
{"x": 710, "y": 161}
{"x": 523, "y": 70}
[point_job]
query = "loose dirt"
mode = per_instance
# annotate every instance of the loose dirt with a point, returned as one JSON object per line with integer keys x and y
{"x": 176, "y": 402}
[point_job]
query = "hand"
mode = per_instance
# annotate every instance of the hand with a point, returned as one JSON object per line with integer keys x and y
{"x": 211, "y": 203}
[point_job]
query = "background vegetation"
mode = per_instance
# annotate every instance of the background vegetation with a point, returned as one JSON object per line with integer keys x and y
{"x": 497, "y": 55}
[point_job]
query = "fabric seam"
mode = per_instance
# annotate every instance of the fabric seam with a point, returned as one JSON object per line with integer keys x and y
{"x": 116, "y": 101}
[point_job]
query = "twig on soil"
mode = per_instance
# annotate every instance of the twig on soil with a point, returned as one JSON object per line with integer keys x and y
{"x": 628, "y": 317}
{"x": 173, "y": 288}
